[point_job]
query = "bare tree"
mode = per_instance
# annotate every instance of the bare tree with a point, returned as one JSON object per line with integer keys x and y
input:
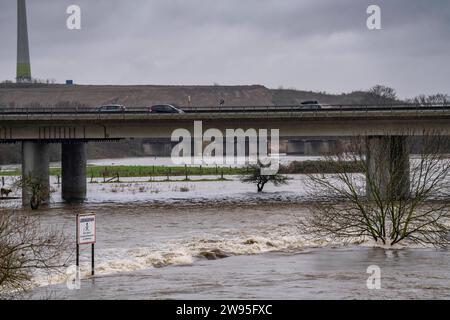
{"x": 433, "y": 99}
{"x": 26, "y": 247}
{"x": 392, "y": 200}
{"x": 39, "y": 191}
{"x": 254, "y": 176}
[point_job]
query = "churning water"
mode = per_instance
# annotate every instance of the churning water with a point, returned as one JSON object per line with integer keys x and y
{"x": 222, "y": 240}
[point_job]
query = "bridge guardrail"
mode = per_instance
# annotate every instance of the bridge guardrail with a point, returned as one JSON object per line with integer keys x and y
{"x": 352, "y": 109}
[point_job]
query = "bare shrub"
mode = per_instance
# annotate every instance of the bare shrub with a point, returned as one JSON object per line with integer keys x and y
{"x": 26, "y": 247}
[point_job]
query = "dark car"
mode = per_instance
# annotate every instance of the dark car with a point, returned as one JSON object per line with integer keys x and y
{"x": 112, "y": 108}
{"x": 165, "y": 108}
{"x": 310, "y": 105}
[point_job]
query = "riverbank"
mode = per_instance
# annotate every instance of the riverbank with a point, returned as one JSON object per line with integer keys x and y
{"x": 127, "y": 171}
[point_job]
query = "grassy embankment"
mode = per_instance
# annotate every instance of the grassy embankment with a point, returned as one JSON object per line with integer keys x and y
{"x": 110, "y": 173}
{"x": 113, "y": 173}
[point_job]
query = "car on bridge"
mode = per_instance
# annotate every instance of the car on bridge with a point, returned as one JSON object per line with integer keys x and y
{"x": 165, "y": 108}
{"x": 310, "y": 105}
{"x": 112, "y": 108}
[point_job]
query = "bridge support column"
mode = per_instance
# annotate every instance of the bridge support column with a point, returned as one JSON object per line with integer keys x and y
{"x": 324, "y": 147}
{"x": 35, "y": 170}
{"x": 387, "y": 167}
{"x": 295, "y": 147}
{"x": 308, "y": 147}
{"x": 73, "y": 165}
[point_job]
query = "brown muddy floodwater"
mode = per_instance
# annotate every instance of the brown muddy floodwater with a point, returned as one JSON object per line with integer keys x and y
{"x": 154, "y": 241}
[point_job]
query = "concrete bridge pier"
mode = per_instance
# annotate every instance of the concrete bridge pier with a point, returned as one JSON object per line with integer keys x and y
{"x": 325, "y": 147}
{"x": 388, "y": 167}
{"x": 35, "y": 170}
{"x": 73, "y": 165}
{"x": 308, "y": 147}
{"x": 295, "y": 147}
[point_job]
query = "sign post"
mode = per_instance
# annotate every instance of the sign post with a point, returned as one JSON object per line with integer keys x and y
{"x": 86, "y": 234}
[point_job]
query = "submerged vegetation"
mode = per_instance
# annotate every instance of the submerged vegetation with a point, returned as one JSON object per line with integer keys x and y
{"x": 256, "y": 177}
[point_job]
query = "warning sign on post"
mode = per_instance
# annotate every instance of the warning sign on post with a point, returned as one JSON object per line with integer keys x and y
{"x": 86, "y": 229}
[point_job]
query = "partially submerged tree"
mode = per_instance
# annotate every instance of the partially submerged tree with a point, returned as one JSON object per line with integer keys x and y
{"x": 255, "y": 176}
{"x": 26, "y": 247}
{"x": 393, "y": 200}
{"x": 39, "y": 191}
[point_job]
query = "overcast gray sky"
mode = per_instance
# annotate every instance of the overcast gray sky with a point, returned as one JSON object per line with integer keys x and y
{"x": 320, "y": 45}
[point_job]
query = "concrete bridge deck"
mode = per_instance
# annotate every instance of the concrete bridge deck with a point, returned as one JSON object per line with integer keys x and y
{"x": 90, "y": 124}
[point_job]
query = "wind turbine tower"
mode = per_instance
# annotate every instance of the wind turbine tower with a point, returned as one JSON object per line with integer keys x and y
{"x": 23, "y": 73}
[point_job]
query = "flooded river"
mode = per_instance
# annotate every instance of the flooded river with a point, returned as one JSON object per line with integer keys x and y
{"x": 155, "y": 252}
{"x": 222, "y": 240}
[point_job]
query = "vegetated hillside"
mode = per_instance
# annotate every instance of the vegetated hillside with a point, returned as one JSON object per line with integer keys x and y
{"x": 13, "y": 95}
{"x": 37, "y": 95}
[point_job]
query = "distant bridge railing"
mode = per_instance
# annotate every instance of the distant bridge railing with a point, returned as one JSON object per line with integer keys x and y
{"x": 50, "y": 110}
